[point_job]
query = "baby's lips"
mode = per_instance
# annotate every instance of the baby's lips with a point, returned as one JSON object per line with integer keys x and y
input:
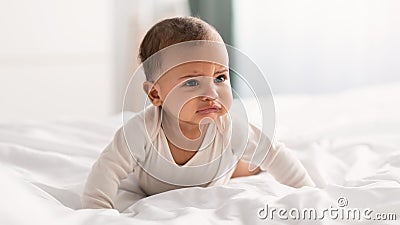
{"x": 209, "y": 110}
{"x": 215, "y": 106}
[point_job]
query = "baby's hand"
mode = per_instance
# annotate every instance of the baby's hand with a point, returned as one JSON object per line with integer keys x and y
{"x": 242, "y": 170}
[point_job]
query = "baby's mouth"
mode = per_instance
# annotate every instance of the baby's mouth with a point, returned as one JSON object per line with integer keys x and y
{"x": 209, "y": 109}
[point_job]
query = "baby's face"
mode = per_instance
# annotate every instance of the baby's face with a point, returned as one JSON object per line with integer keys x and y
{"x": 195, "y": 90}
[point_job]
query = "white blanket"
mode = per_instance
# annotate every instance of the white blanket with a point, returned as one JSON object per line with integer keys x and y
{"x": 349, "y": 142}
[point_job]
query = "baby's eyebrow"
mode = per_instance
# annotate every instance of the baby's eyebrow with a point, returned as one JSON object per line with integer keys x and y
{"x": 221, "y": 71}
{"x": 190, "y": 76}
{"x": 195, "y": 74}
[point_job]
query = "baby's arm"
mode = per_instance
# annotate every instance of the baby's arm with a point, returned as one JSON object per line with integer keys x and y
{"x": 113, "y": 165}
{"x": 285, "y": 167}
{"x": 280, "y": 161}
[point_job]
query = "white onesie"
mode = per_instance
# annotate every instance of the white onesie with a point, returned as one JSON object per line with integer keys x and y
{"x": 214, "y": 164}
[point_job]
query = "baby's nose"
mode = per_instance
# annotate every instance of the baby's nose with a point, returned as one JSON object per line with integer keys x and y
{"x": 209, "y": 92}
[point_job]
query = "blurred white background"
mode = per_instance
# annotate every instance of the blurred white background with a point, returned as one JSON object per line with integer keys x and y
{"x": 55, "y": 58}
{"x": 69, "y": 58}
{"x": 321, "y": 46}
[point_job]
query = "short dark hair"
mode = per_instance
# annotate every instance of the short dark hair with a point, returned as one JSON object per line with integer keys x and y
{"x": 172, "y": 31}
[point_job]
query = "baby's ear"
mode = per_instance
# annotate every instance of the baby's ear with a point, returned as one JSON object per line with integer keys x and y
{"x": 152, "y": 91}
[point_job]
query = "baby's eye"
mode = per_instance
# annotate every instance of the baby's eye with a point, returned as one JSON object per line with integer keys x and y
{"x": 220, "y": 78}
{"x": 191, "y": 83}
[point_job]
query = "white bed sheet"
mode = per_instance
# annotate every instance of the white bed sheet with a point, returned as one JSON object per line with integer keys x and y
{"x": 349, "y": 142}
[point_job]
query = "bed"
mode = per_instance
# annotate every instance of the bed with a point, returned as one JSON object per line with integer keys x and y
{"x": 349, "y": 142}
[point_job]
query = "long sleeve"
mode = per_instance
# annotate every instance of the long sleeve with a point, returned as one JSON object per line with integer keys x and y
{"x": 285, "y": 167}
{"x": 113, "y": 165}
{"x": 275, "y": 158}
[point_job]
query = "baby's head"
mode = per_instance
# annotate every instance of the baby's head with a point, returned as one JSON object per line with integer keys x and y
{"x": 189, "y": 81}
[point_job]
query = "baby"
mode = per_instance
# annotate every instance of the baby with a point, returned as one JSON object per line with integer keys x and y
{"x": 186, "y": 137}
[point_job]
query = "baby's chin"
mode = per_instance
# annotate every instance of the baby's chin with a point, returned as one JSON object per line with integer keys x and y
{"x": 209, "y": 118}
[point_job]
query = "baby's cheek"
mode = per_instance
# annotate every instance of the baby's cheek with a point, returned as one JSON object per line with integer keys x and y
{"x": 184, "y": 104}
{"x": 174, "y": 102}
{"x": 226, "y": 98}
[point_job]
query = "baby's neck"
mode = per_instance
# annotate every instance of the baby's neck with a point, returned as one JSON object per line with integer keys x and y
{"x": 192, "y": 131}
{"x": 181, "y": 133}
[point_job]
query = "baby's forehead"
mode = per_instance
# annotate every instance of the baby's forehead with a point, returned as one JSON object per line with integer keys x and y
{"x": 196, "y": 69}
{"x": 199, "y": 67}
{"x": 193, "y": 55}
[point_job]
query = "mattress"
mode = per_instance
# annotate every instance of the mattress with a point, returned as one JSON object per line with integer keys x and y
{"x": 348, "y": 141}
